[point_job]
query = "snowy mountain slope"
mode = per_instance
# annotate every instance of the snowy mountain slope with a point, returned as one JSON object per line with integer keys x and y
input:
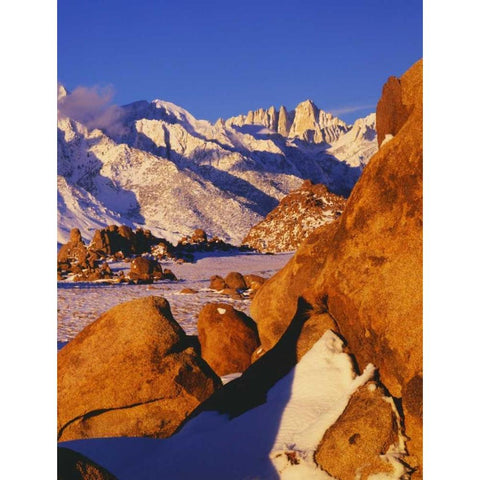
{"x": 157, "y": 166}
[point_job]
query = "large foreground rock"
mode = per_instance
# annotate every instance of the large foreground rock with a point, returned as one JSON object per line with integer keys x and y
{"x": 130, "y": 373}
{"x": 227, "y": 338}
{"x": 370, "y": 277}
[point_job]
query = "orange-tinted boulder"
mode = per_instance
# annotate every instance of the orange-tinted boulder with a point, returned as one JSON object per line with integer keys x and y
{"x": 275, "y": 302}
{"x": 254, "y": 282}
{"x": 236, "y": 281}
{"x": 114, "y": 239}
{"x": 145, "y": 270}
{"x": 372, "y": 277}
{"x": 188, "y": 291}
{"x": 369, "y": 427}
{"x": 217, "y": 283}
{"x": 168, "y": 275}
{"x": 132, "y": 372}
{"x": 227, "y": 338}
{"x": 199, "y": 236}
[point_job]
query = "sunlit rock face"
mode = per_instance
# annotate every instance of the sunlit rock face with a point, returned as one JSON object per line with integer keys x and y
{"x": 132, "y": 372}
{"x": 368, "y": 273}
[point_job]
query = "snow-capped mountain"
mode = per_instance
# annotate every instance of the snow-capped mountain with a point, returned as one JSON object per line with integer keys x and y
{"x": 153, "y": 164}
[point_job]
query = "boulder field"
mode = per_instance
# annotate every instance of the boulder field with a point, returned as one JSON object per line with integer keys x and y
{"x": 365, "y": 269}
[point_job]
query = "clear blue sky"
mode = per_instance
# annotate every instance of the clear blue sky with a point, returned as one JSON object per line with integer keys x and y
{"x": 222, "y": 58}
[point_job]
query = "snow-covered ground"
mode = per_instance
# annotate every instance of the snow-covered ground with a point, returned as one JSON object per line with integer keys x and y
{"x": 261, "y": 443}
{"x": 80, "y": 303}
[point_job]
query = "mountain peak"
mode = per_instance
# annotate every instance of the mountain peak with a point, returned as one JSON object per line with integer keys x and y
{"x": 307, "y": 103}
{"x": 306, "y": 122}
{"x": 61, "y": 91}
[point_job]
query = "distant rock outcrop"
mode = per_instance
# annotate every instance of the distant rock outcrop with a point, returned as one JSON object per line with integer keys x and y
{"x": 295, "y": 218}
{"x": 75, "y": 258}
{"x": 73, "y": 251}
{"x": 133, "y": 372}
{"x": 369, "y": 277}
{"x": 227, "y": 338}
{"x": 236, "y": 285}
{"x": 114, "y": 239}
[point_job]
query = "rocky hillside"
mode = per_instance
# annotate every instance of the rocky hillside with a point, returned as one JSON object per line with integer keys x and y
{"x": 364, "y": 271}
{"x": 153, "y": 165}
{"x": 295, "y": 218}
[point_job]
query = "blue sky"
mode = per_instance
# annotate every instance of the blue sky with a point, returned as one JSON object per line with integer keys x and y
{"x": 223, "y": 58}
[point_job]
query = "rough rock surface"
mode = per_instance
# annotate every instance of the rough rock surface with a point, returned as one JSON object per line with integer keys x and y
{"x": 298, "y": 214}
{"x": 267, "y": 368}
{"x": 393, "y": 108}
{"x": 370, "y": 276}
{"x": 227, "y": 338}
{"x": 72, "y": 465}
{"x": 73, "y": 251}
{"x": 75, "y": 258}
{"x": 368, "y": 428}
{"x": 132, "y": 372}
{"x": 373, "y": 273}
{"x": 275, "y": 302}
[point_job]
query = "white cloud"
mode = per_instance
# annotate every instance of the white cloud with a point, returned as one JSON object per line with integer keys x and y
{"x": 92, "y": 106}
{"x": 350, "y": 109}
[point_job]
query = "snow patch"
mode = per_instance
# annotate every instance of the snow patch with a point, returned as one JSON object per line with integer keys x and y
{"x": 387, "y": 138}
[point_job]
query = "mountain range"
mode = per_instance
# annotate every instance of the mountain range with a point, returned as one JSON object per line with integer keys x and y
{"x": 154, "y": 165}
